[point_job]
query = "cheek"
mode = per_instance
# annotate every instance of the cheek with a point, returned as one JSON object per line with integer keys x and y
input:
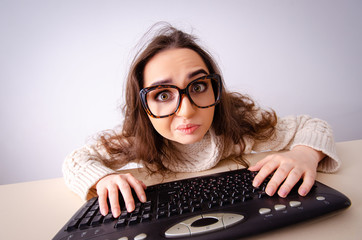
{"x": 208, "y": 116}
{"x": 162, "y": 126}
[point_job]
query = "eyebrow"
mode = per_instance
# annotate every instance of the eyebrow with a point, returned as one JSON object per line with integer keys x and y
{"x": 200, "y": 71}
{"x": 190, "y": 75}
{"x": 161, "y": 82}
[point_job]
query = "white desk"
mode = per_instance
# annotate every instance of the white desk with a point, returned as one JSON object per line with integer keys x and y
{"x": 37, "y": 210}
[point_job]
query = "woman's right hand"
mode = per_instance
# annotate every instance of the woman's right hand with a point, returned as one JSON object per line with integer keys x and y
{"x": 111, "y": 185}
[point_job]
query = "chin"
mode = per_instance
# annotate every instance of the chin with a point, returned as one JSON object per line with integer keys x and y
{"x": 189, "y": 139}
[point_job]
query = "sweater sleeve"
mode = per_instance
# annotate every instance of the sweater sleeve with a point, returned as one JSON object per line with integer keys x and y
{"x": 304, "y": 130}
{"x": 82, "y": 169}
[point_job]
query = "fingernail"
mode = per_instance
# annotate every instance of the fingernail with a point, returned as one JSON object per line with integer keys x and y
{"x": 270, "y": 191}
{"x": 302, "y": 192}
{"x": 116, "y": 214}
{"x": 282, "y": 193}
{"x": 143, "y": 198}
{"x": 255, "y": 183}
{"x": 130, "y": 207}
{"x": 103, "y": 212}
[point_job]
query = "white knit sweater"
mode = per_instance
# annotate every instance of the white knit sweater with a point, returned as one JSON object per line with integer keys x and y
{"x": 85, "y": 166}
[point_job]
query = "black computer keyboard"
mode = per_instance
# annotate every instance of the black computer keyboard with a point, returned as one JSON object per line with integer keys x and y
{"x": 218, "y": 206}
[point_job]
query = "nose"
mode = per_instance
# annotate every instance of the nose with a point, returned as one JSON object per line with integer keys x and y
{"x": 186, "y": 108}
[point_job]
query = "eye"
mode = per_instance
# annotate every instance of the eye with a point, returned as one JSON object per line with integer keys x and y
{"x": 199, "y": 87}
{"x": 164, "y": 96}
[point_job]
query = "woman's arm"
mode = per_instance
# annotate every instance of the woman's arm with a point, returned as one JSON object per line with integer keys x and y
{"x": 311, "y": 147}
{"x": 110, "y": 186}
{"x": 289, "y": 167}
{"x": 86, "y": 174}
{"x": 83, "y": 168}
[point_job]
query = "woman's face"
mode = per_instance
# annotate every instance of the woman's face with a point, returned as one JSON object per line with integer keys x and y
{"x": 179, "y": 67}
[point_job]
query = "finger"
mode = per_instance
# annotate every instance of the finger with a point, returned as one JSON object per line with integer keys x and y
{"x": 143, "y": 185}
{"x": 292, "y": 179}
{"x": 264, "y": 172}
{"x": 102, "y": 200}
{"x": 260, "y": 164}
{"x": 256, "y": 167}
{"x": 114, "y": 201}
{"x": 308, "y": 182}
{"x": 126, "y": 194}
{"x": 138, "y": 186}
{"x": 278, "y": 177}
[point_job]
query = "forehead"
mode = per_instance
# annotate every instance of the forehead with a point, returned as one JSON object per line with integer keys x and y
{"x": 172, "y": 65}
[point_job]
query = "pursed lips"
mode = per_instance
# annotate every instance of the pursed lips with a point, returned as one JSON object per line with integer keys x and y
{"x": 188, "y": 128}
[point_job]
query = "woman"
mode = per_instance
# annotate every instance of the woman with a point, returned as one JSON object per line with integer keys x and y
{"x": 179, "y": 117}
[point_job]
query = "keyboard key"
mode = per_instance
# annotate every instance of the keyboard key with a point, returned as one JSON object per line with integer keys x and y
{"x": 95, "y": 208}
{"x": 294, "y": 204}
{"x": 163, "y": 205}
{"x": 124, "y": 214}
{"x": 162, "y": 213}
{"x": 280, "y": 207}
{"x": 145, "y": 217}
{"x": 72, "y": 225}
{"x": 90, "y": 214}
{"x": 197, "y": 206}
{"x": 132, "y": 220}
{"x": 147, "y": 206}
{"x": 108, "y": 218}
{"x": 225, "y": 201}
{"x": 247, "y": 197}
{"x": 141, "y": 236}
{"x": 213, "y": 204}
{"x": 81, "y": 214}
{"x": 97, "y": 220}
{"x": 264, "y": 211}
{"x": 120, "y": 223}
{"x": 84, "y": 223}
{"x": 185, "y": 209}
{"x": 262, "y": 194}
{"x": 173, "y": 211}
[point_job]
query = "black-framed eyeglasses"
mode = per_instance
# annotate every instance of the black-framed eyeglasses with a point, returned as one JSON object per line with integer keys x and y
{"x": 164, "y": 100}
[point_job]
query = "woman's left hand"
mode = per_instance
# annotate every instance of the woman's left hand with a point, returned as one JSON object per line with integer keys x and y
{"x": 288, "y": 167}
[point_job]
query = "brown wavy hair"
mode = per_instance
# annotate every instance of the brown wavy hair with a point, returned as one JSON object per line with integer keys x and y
{"x": 236, "y": 117}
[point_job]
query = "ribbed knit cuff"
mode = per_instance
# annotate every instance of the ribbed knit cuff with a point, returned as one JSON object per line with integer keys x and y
{"x": 320, "y": 142}
{"x": 87, "y": 177}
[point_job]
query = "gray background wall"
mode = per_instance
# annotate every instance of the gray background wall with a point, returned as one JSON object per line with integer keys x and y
{"x": 62, "y": 66}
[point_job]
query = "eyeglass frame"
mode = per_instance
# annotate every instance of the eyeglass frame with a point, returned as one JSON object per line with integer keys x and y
{"x": 143, "y": 92}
